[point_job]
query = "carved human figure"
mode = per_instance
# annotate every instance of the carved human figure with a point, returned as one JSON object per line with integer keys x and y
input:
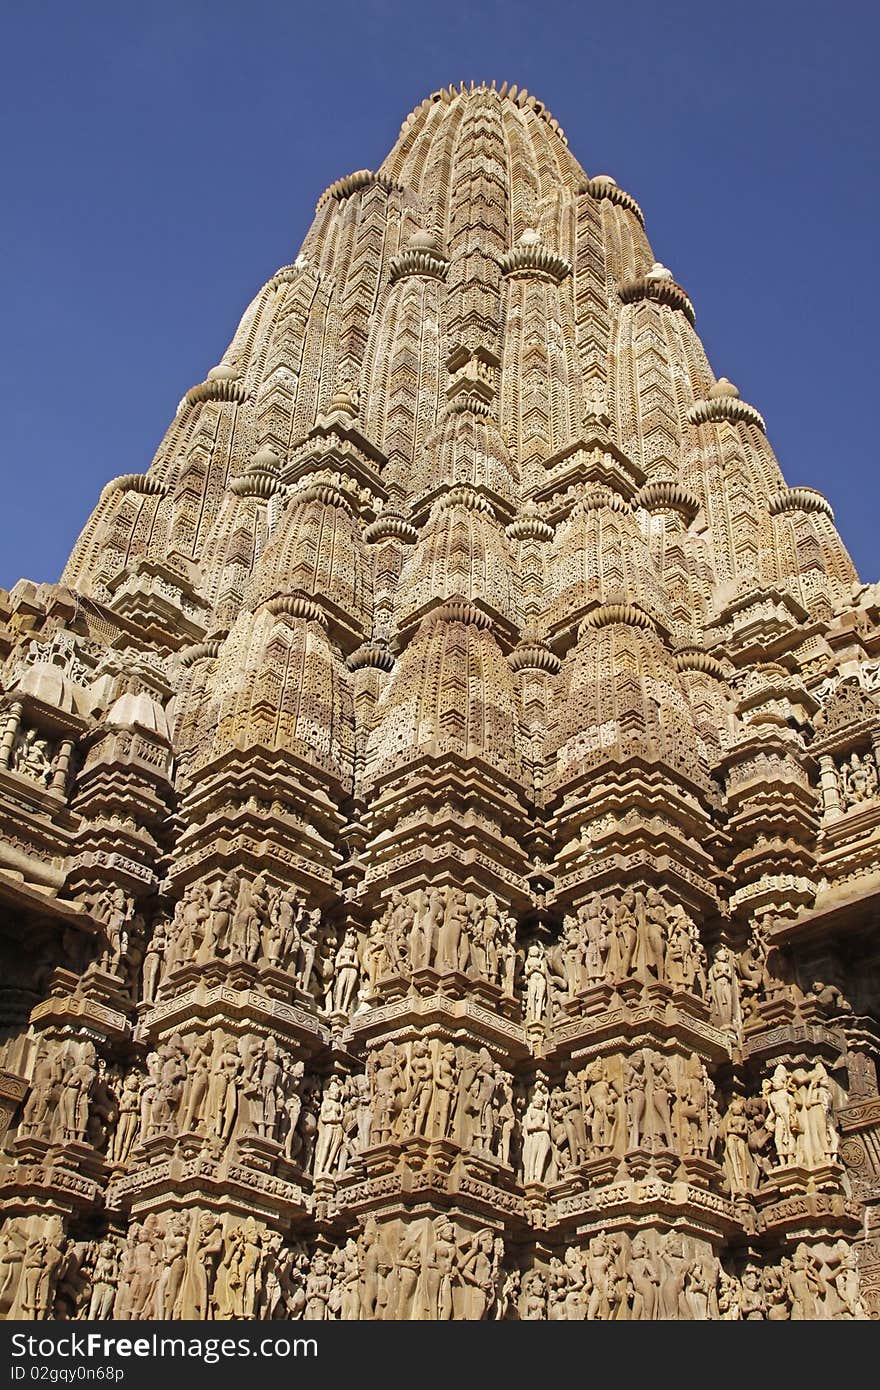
{"x": 816, "y": 1140}
{"x": 398, "y": 923}
{"x": 115, "y": 908}
{"x": 650, "y": 950}
{"x": 573, "y": 1118}
{"x": 537, "y": 1148}
{"x": 105, "y": 1273}
{"x": 291, "y": 1108}
{"x": 203, "y": 1268}
{"x": 41, "y": 1108}
{"x": 477, "y": 1104}
{"x": 739, "y": 1167}
{"x": 222, "y": 1096}
{"x": 345, "y": 973}
{"x": 418, "y": 942}
{"x": 76, "y": 1094}
{"x": 319, "y": 1289}
{"x": 440, "y": 1265}
{"x": 192, "y": 916}
{"x": 661, "y": 1094}
{"x": 170, "y": 1282}
{"x": 493, "y": 932}
{"x": 536, "y": 988}
{"x": 311, "y": 937}
{"x": 444, "y": 1086}
{"x": 692, "y": 1107}
{"x": 504, "y": 1116}
{"x": 776, "y": 1294}
{"x": 43, "y": 1260}
{"x": 478, "y": 1273}
{"x": 452, "y": 929}
{"x": 594, "y": 927}
{"x": 435, "y": 910}
{"x": 600, "y": 1269}
{"x": 858, "y": 777}
{"x": 368, "y": 1261}
{"x": 171, "y": 1080}
{"x": 845, "y": 1276}
{"x": 625, "y": 936}
{"x": 32, "y": 758}
{"x": 222, "y": 904}
{"x": 601, "y": 1105}
{"x": 417, "y": 1101}
{"x": 349, "y": 1299}
{"x": 154, "y": 959}
{"x": 103, "y": 1110}
{"x": 779, "y": 1094}
{"x": 533, "y": 1300}
{"x": 268, "y": 1085}
{"x": 409, "y": 1268}
{"x": 645, "y": 1276}
{"x": 637, "y": 1079}
{"x": 282, "y": 935}
{"x": 805, "y": 1286}
{"x": 251, "y": 912}
{"x": 752, "y": 1304}
{"x": 507, "y": 956}
{"x": 330, "y": 1129}
{"x": 388, "y": 1088}
{"x": 199, "y": 1060}
{"x": 724, "y": 989}
{"x": 569, "y": 955}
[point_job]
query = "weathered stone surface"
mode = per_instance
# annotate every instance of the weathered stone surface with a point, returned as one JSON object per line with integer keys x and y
{"x": 440, "y": 804}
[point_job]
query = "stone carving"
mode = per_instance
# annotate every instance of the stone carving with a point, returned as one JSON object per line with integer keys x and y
{"x": 801, "y": 1116}
{"x": 439, "y": 806}
{"x": 444, "y": 930}
{"x": 857, "y": 780}
{"x": 32, "y": 757}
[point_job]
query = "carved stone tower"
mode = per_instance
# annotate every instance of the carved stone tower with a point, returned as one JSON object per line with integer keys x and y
{"x": 439, "y": 804}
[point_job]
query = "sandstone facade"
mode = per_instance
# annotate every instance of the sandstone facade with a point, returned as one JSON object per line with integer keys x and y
{"x": 439, "y": 804}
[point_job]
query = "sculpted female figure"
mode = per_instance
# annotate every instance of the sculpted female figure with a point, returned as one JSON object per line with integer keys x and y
{"x": 536, "y": 1135}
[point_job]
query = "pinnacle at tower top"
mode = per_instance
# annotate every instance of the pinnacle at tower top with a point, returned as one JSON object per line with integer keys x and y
{"x": 439, "y": 804}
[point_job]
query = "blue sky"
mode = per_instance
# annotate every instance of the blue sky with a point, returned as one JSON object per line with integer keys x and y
{"x": 160, "y": 161}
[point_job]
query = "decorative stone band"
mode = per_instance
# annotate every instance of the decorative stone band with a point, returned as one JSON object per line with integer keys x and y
{"x": 135, "y": 482}
{"x": 530, "y": 527}
{"x": 520, "y": 97}
{"x": 597, "y": 497}
{"x": 729, "y": 408}
{"x": 534, "y": 655}
{"x": 609, "y": 613}
{"x": 458, "y": 610}
{"x": 255, "y": 482}
{"x": 799, "y": 499}
{"x": 418, "y": 260}
{"x": 391, "y": 526}
{"x": 665, "y": 496}
{"x": 468, "y": 401}
{"x": 603, "y": 186}
{"x": 371, "y": 654}
{"x": 326, "y": 493}
{"x": 531, "y": 258}
{"x": 284, "y": 275}
{"x": 466, "y": 497}
{"x": 296, "y": 606}
{"x": 660, "y": 291}
{"x": 202, "y": 651}
{"x": 353, "y": 183}
{"x": 692, "y": 659}
{"x": 221, "y": 389}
